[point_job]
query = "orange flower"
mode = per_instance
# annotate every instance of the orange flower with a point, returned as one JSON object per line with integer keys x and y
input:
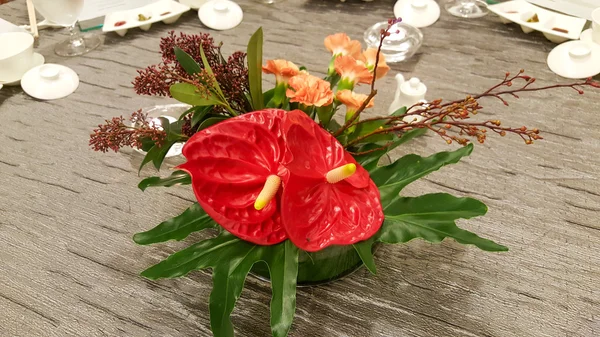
{"x": 309, "y": 90}
{"x": 352, "y": 100}
{"x": 340, "y": 44}
{"x": 369, "y": 57}
{"x": 282, "y": 69}
{"x": 352, "y": 70}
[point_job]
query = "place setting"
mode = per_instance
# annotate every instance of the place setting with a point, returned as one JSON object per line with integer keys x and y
{"x": 22, "y": 66}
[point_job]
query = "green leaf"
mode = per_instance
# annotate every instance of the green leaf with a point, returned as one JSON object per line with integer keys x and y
{"x": 231, "y": 259}
{"x": 173, "y": 130}
{"x": 210, "y": 121}
{"x": 369, "y": 161}
{"x": 283, "y": 267}
{"x": 365, "y": 251}
{"x": 228, "y": 282}
{"x": 268, "y": 96}
{"x": 204, "y": 254}
{"x": 187, "y": 62}
{"x": 215, "y": 84}
{"x": 147, "y": 144}
{"x": 156, "y": 155}
{"x": 333, "y": 126}
{"x": 399, "y": 112}
{"x": 178, "y": 228}
{"x": 254, "y": 52}
{"x": 176, "y": 178}
{"x": 365, "y": 128}
{"x": 199, "y": 115}
{"x": 187, "y": 93}
{"x": 431, "y": 217}
{"x": 278, "y": 96}
{"x": 188, "y": 111}
{"x": 325, "y": 114}
{"x": 391, "y": 179}
{"x": 161, "y": 154}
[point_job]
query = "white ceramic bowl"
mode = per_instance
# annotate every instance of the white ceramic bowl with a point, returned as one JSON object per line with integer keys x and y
{"x": 16, "y": 55}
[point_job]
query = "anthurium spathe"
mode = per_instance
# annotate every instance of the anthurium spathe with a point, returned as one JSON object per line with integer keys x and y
{"x": 329, "y": 199}
{"x": 234, "y": 165}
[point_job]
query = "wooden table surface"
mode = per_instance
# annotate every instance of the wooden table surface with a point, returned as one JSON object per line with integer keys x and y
{"x": 68, "y": 266}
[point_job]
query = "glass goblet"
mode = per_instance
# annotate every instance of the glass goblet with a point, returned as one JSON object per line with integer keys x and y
{"x": 467, "y": 8}
{"x": 66, "y": 12}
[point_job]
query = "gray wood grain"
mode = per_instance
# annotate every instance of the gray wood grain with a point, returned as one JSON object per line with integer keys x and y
{"x": 68, "y": 266}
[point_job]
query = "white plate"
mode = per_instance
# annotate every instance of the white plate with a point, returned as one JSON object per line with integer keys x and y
{"x": 167, "y": 11}
{"x": 50, "y": 81}
{"x": 38, "y": 59}
{"x": 556, "y": 27}
{"x": 575, "y": 59}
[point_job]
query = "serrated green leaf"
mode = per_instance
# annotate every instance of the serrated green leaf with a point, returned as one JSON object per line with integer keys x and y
{"x": 178, "y": 228}
{"x": 187, "y": 62}
{"x": 391, "y": 179}
{"x": 365, "y": 251}
{"x": 176, "y": 178}
{"x": 254, "y": 52}
{"x": 210, "y": 122}
{"x": 231, "y": 259}
{"x": 431, "y": 217}
{"x": 187, "y": 93}
{"x": 283, "y": 267}
{"x": 204, "y": 254}
{"x": 228, "y": 282}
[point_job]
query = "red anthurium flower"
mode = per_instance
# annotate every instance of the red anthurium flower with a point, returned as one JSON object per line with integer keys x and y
{"x": 230, "y": 164}
{"x": 329, "y": 199}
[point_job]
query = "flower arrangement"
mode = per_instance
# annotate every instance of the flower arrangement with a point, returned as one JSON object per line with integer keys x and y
{"x": 293, "y": 195}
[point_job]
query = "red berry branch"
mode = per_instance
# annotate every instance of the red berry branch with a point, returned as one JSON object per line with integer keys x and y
{"x": 231, "y": 74}
{"x": 115, "y": 134}
{"x": 442, "y": 117}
